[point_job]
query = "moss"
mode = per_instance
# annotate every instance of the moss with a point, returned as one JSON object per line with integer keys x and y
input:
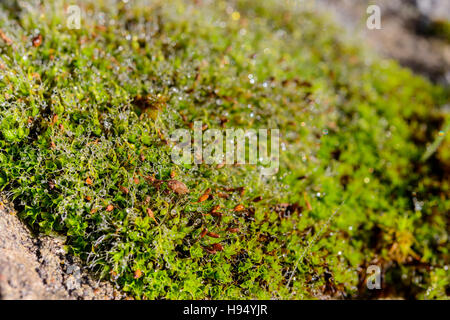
{"x": 85, "y": 118}
{"x": 439, "y": 29}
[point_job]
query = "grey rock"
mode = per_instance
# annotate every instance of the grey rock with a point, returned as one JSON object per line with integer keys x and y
{"x": 403, "y": 35}
{"x": 434, "y": 9}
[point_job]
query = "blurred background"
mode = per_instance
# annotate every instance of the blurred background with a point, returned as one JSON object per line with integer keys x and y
{"x": 414, "y": 32}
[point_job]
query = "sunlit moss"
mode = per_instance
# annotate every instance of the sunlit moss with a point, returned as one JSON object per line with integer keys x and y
{"x": 85, "y": 118}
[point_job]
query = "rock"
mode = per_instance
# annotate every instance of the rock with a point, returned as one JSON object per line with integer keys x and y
{"x": 434, "y": 9}
{"x": 404, "y": 32}
{"x": 37, "y": 267}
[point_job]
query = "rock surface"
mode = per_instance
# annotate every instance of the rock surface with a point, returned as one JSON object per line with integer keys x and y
{"x": 38, "y": 268}
{"x": 403, "y": 35}
{"x": 434, "y": 9}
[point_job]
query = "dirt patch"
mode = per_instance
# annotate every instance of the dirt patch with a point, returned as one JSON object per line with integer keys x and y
{"x": 38, "y": 267}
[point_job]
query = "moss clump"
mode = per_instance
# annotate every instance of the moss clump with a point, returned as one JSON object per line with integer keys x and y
{"x": 85, "y": 117}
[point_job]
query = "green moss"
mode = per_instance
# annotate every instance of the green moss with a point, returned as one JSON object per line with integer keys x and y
{"x": 85, "y": 117}
{"x": 440, "y": 29}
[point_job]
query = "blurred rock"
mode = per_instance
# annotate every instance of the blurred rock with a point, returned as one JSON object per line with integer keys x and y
{"x": 434, "y": 9}
{"x": 406, "y": 34}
